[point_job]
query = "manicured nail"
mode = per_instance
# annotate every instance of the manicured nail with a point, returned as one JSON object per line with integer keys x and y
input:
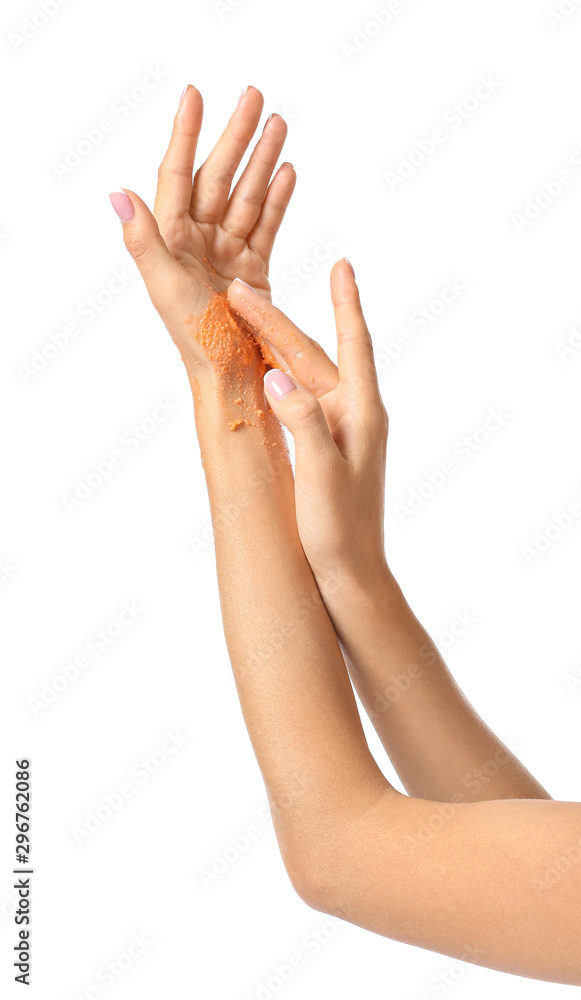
{"x": 246, "y": 285}
{"x": 182, "y": 94}
{"x": 350, "y": 266}
{"x": 245, "y": 91}
{"x": 270, "y": 117}
{"x": 123, "y": 205}
{"x": 278, "y": 384}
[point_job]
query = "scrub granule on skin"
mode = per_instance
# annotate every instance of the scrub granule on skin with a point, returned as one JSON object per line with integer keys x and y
{"x": 229, "y": 343}
{"x": 227, "y": 340}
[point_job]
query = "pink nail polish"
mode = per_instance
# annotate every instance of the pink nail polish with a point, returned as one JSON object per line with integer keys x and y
{"x": 245, "y": 91}
{"x": 182, "y": 94}
{"x": 123, "y": 205}
{"x": 350, "y": 266}
{"x": 278, "y": 384}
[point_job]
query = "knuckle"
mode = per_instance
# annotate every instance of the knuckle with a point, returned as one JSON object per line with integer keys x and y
{"x": 135, "y": 244}
{"x": 247, "y": 198}
{"x": 378, "y": 419}
{"x": 305, "y": 411}
{"x": 221, "y": 180}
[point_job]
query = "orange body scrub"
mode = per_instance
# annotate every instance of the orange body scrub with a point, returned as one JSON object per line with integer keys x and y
{"x": 228, "y": 341}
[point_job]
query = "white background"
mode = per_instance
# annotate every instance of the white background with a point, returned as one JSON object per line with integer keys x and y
{"x": 142, "y": 535}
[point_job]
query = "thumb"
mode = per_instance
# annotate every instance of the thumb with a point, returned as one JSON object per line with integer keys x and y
{"x": 301, "y": 413}
{"x": 158, "y": 267}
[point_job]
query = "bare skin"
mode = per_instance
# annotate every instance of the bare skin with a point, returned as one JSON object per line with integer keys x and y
{"x": 465, "y": 878}
{"x": 402, "y": 680}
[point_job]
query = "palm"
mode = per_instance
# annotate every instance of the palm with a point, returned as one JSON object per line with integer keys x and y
{"x": 212, "y": 255}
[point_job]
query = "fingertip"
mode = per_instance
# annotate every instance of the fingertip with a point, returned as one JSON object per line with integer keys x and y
{"x": 248, "y": 94}
{"x": 276, "y": 121}
{"x": 241, "y": 289}
{"x": 190, "y": 108}
{"x": 343, "y": 284}
{"x": 123, "y": 204}
{"x": 278, "y": 384}
{"x": 345, "y": 267}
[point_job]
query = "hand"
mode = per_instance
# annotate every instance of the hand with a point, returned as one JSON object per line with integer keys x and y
{"x": 339, "y": 425}
{"x": 200, "y": 236}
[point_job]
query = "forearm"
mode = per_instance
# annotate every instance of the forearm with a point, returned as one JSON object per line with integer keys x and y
{"x": 437, "y": 742}
{"x": 294, "y": 689}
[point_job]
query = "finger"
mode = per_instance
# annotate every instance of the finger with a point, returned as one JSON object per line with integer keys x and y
{"x": 246, "y": 200}
{"x": 158, "y": 267}
{"x": 174, "y": 186}
{"x": 293, "y": 352}
{"x": 354, "y": 345}
{"x": 262, "y": 237}
{"x": 213, "y": 180}
{"x": 302, "y": 414}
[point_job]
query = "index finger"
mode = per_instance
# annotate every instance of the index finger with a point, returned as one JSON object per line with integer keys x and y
{"x": 354, "y": 344}
{"x": 283, "y": 344}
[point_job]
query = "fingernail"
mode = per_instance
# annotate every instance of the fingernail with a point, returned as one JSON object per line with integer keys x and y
{"x": 245, "y": 91}
{"x": 278, "y": 384}
{"x": 123, "y": 205}
{"x": 182, "y": 94}
{"x": 350, "y": 266}
{"x": 270, "y": 117}
{"x": 246, "y": 285}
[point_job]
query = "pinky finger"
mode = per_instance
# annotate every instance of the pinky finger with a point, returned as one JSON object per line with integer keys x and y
{"x": 279, "y": 193}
